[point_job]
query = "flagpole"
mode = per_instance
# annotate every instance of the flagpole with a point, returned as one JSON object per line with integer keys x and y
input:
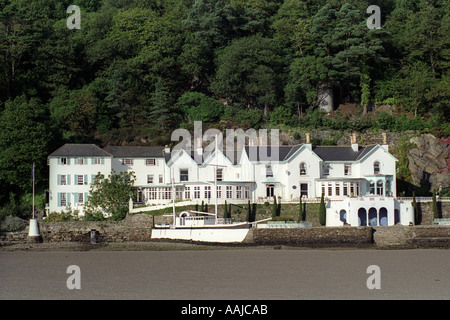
{"x": 33, "y": 189}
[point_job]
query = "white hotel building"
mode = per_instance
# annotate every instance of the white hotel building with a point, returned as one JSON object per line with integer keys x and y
{"x": 358, "y": 182}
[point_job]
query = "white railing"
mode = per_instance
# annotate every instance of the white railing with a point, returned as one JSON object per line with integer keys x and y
{"x": 424, "y": 199}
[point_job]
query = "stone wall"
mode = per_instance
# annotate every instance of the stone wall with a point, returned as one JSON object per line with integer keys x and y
{"x": 412, "y": 237}
{"x": 426, "y": 211}
{"x": 132, "y": 228}
{"x": 315, "y": 237}
{"x": 138, "y": 228}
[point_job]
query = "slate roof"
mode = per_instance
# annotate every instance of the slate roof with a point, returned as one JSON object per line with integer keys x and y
{"x": 135, "y": 151}
{"x": 264, "y": 153}
{"x": 80, "y": 150}
{"x": 255, "y": 153}
{"x": 340, "y": 153}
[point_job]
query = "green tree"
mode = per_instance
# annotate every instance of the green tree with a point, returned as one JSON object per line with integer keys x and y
{"x": 435, "y": 208}
{"x": 274, "y": 207}
{"x": 225, "y": 211}
{"x": 199, "y": 107}
{"x": 322, "y": 211}
{"x": 111, "y": 195}
{"x": 300, "y": 210}
{"x": 416, "y": 209}
{"x": 249, "y": 212}
{"x": 25, "y": 137}
{"x": 248, "y": 72}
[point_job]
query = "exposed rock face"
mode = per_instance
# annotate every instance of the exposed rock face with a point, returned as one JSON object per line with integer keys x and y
{"x": 429, "y": 162}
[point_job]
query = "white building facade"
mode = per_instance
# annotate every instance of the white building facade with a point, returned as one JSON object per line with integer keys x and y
{"x": 358, "y": 183}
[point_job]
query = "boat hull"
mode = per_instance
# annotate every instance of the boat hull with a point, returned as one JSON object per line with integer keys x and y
{"x": 203, "y": 234}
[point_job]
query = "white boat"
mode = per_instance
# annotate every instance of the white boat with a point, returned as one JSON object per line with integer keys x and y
{"x": 206, "y": 228}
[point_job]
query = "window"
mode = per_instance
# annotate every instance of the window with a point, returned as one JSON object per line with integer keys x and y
{"x": 379, "y": 187}
{"x": 80, "y": 180}
{"x": 187, "y": 192}
{"x": 229, "y": 192}
{"x": 152, "y": 194}
{"x": 337, "y": 189}
{"x": 376, "y": 167}
{"x": 304, "y": 190}
{"x": 345, "y": 189}
{"x": 97, "y": 161}
{"x": 63, "y": 201}
{"x": 127, "y": 162}
{"x": 269, "y": 172}
{"x": 238, "y": 192}
{"x": 208, "y": 192}
{"x": 166, "y": 193}
{"x": 219, "y": 192}
{"x": 80, "y": 160}
{"x": 270, "y": 190}
{"x": 149, "y": 178}
{"x": 246, "y": 192}
{"x": 323, "y": 189}
{"x": 160, "y": 178}
{"x": 371, "y": 187}
{"x": 219, "y": 174}
{"x": 303, "y": 169}
{"x": 347, "y": 169}
{"x": 184, "y": 175}
{"x": 150, "y": 162}
{"x": 63, "y": 179}
{"x": 326, "y": 170}
{"x": 330, "y": 189}
{"x": 80, "y": 198}
{"x": 62, "y": 160}
{"x": 196, "y": 192}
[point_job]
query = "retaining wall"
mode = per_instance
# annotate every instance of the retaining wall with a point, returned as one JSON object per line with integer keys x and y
{"x": 138, "y": 228}
{"x": 315, "y": 237}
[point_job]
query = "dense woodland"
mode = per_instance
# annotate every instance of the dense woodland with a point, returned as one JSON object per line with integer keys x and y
{"x": 141, "y": 68}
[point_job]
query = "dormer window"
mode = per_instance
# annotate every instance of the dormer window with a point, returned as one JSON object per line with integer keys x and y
{"x": 303, "y": 169}
{"x": 326, "y": 170}
{"x": 376, "y": 167}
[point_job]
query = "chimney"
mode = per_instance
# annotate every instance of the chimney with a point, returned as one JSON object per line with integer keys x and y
{"x": 385, "y": 144}
{"x": 308, "y": 140}
{"x": 353, "y": 142}
{"x": 199, "y": 146}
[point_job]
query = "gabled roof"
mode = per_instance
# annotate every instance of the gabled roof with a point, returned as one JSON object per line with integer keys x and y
{"x": 269, "y": 153}
{"x": 80, "y": 150}
{"x": 135, "y": 151}
{"x": 340, "y": 153}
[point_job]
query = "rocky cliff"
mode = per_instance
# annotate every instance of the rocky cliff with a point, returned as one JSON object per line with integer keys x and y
{"x": 429, "y": 162}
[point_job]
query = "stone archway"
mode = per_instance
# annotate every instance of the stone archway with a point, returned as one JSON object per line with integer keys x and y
{"x": 362, "y": 217}
{"x": 343, "y": 216}
{"x": 383, "y": 217}
{"x": 373, "y": 217}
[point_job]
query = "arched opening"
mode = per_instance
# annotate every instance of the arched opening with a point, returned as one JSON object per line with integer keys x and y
{"x": 373, "y": 219}
{"x": 269, "y": 171}
{"x": 376, "y": 167}
{"x": 396, "y": 216}
{"x": 388, "y": 188}
{"x": 343, "y": 216}
{"x": 380, "y": 187}
{"x": 270, "y": 190}
{"x": 362, "y": 217}
{"x": 303, "y": 169}
{"x": 371, "y": 187}
{"x": 383, "y": 218}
